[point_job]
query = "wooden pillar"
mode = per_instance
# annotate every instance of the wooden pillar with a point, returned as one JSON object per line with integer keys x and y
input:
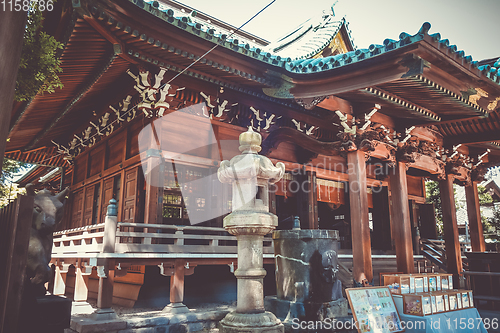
{"x": 307, "y": 200}
{"x": 400, "y": 216}
{"x": 414, "y": 213}
{"x": 474, "y": 214}
{"x": 360, "y": 229}
{"x": 60, "y": 279}
{"x": 81, "y": 282}
{"x": 106, "y": 272}
{"x": 154, "y": 176}
{"x": 452, "y": 244}
{"x": 177, "y": 287}
{"x": 154, "y": 188}
{"x": 12, "y": 25}
{"x": 177, "y": 282}
{"x": 106, "y": 275}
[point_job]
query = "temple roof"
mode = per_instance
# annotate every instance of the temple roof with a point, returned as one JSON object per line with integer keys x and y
{"x": 309, "y": 39}
{"x": 418, "y": 79}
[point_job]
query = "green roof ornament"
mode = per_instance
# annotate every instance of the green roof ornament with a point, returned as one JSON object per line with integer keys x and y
{"x": 333, "y": 5}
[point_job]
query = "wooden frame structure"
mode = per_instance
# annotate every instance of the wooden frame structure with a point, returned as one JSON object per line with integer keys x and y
{"x": 354, "y": 127}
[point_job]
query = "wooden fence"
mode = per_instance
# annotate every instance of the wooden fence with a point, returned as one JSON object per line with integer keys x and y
{"x": 15, "y": 226}
{"x": 148, "y": 238}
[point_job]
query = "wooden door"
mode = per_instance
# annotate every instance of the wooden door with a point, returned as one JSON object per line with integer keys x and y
{"x": 107, "y": 195}
{"x": 130, "y": 196}
{"x": 88, "y": 205}
{"x": 427, "y": 221}
{"x": 76, "y": 218}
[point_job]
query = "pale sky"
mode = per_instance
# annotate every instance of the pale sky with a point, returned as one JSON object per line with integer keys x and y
{"x": 472, "y": 25}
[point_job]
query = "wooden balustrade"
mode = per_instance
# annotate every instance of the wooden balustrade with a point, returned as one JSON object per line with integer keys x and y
{"x": 149, "y": 238}
{"x": 81, "y": 240}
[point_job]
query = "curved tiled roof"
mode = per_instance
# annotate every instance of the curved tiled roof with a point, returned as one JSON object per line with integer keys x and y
{"x": 206, "y": 31}
{"x": 210, "y": 32}
{"x": 308, "y": 39}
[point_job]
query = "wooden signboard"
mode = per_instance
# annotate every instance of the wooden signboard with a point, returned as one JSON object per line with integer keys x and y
{"x": 374, "y": 310}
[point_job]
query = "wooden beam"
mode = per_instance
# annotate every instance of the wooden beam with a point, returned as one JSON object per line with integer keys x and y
{"x": 307, "y": 200}
{"x": 452, "y": 244}
{"x": 360, "y": 230}
{"x": 177, "y": 282}
{"x": 472, "y": 138}
{"x": 78, "y": 96}
{"x": 474, "y": 214}
{"x": 105, "y": 293}
{"x": 400, "y": 216}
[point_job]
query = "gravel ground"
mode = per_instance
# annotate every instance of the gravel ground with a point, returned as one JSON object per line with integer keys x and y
{"x": 157, "y": 311}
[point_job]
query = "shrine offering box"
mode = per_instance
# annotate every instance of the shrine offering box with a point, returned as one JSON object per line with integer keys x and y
{"x": 417, "y": 304}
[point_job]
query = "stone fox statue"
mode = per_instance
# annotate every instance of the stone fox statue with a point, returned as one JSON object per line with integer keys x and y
{"x": 47, "y": 213}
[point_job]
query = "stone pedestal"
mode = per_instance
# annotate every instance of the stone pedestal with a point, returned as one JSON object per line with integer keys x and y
{"x": 47, "y": 314}
{"x": 250, "y": 175}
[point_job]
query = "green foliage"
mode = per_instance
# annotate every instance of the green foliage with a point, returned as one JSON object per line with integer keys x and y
{"x": 39, "y": 66}
{"x": 484, "y": 196}
{"x": 492, "y": 225}
{"x": 9, "y": 168}
{"x": 433, "y": 195}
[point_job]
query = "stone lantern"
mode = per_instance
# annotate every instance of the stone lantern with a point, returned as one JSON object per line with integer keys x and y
{"x": 250, "y": 175}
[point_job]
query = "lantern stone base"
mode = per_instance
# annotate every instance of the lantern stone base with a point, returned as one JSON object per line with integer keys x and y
{"x": 264, "y": 322}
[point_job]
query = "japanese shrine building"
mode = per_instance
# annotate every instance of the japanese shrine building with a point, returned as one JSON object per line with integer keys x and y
{"x": 146, "y": 114}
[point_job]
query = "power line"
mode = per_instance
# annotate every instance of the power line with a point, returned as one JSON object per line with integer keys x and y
{"x": 170, "y": 81}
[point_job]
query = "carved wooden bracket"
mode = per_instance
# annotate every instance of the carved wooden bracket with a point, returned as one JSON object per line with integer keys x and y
{"x": 430, "y": 164}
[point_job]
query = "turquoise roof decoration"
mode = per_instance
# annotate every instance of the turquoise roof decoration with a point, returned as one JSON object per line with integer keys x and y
{"x": 491, "y": 71}
{"x": 332, "y": 62}
{"x": 210, "y": 32}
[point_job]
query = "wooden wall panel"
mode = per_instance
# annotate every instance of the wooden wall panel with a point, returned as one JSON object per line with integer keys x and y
{"x": 96, "y": 161}
{"x": 132, "y": 139}
{"x": 77, "y": 209}
{"x": 415, "y": 186}
{"x": 80, "y": 169}
{"x": 115, "y": 147}
{"x": 107, "y": 194}
{"x": 130, "y": 195}
{"x": 88, "y": 205}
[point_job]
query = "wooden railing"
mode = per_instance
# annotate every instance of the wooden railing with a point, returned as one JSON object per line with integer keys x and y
{"x": 81, "y": 240}
{"x": 483, "y": 284}
{"x": 434, "y": 251}
{"x": 149, "y": 238}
